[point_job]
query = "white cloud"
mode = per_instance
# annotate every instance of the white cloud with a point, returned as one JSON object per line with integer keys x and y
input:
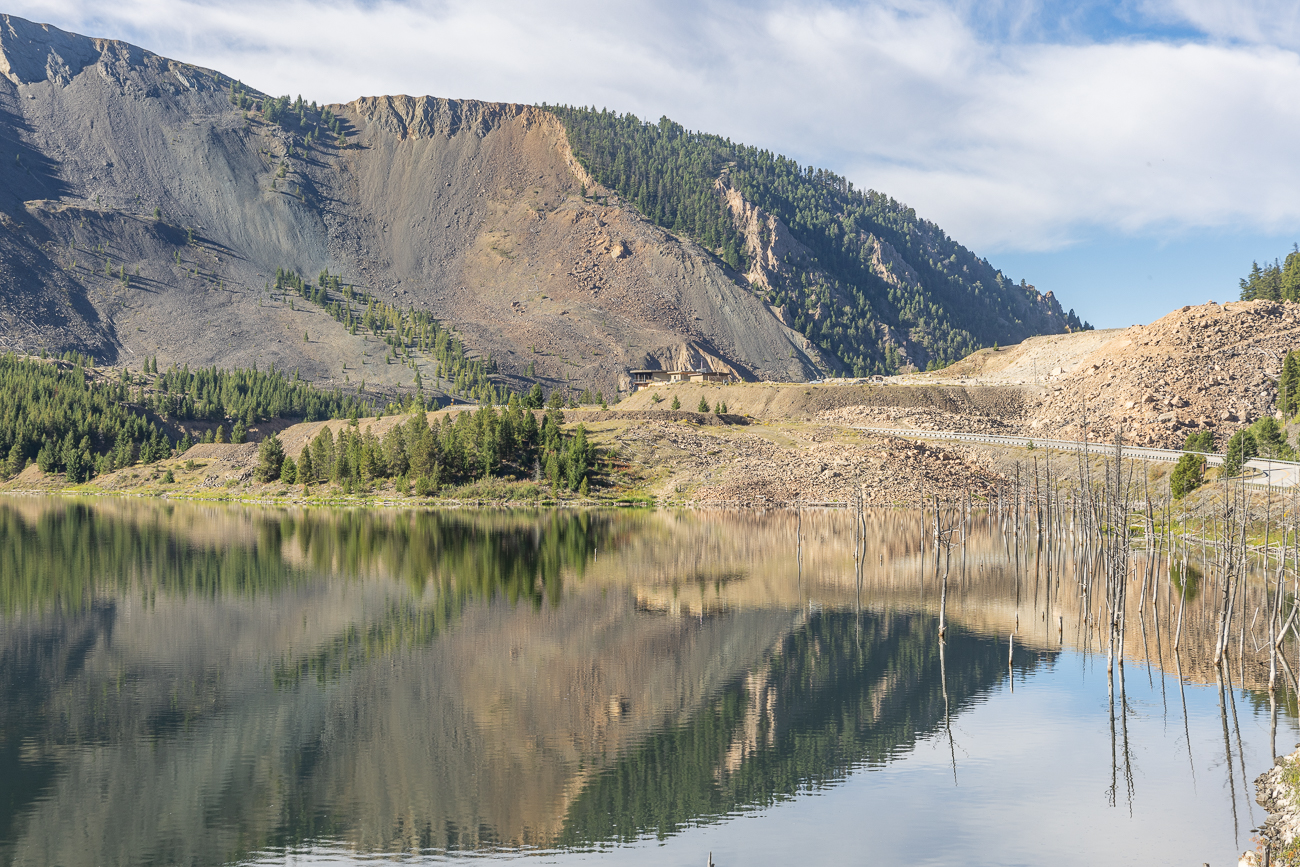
{"x": 1265, "y": 22}
{"x": 1010, "y": 141}
{"x": 1135, "y": 137}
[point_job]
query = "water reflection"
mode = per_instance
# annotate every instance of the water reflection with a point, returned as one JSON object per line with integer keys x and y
{"x": 838, "y": 691}
{"x": 192, "y": 684}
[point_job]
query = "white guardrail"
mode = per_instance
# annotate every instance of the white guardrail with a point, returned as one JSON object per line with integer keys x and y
{"x": 1276, "y": 473}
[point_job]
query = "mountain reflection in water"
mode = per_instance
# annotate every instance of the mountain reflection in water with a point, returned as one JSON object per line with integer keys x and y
{"x": 194, "y": 684}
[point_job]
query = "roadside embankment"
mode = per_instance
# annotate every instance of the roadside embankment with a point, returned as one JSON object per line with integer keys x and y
{"x": 806, "y": 401}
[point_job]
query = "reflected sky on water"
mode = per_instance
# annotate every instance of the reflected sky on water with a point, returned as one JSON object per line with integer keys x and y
{"x": 185, "y": 683}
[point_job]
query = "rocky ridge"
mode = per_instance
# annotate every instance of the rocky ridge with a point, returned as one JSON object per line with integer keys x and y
{"x": 922, "y": 418}
{"x": 1207, "y": 367}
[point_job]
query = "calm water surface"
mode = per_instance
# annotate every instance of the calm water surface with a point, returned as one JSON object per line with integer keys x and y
{"x": 186, "y": 684}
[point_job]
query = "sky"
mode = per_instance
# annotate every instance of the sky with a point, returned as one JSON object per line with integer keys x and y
{"x": 1130, "y": 156}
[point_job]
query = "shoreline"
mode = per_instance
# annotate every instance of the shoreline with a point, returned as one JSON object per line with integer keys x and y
{"x": 414, "y": 502}
{"x": 1277, "y": 790}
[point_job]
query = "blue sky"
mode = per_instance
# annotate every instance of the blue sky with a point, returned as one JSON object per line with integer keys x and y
{"x": 1132, "y": 157}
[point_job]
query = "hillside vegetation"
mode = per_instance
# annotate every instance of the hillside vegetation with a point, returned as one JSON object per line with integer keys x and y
{"x": 54, "y": 414}
{"x": 940, "y": 304}
{"x": 73, "y": 420}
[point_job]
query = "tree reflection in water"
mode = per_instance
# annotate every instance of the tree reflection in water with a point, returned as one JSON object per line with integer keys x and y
{"x": 193, "y": 683}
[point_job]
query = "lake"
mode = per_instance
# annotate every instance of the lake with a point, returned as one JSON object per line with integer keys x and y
{"x": 210, "y": 684}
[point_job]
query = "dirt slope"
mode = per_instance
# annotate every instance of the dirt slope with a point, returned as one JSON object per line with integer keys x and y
{"x": 473, "y": 211}
{"x": 1209, "y": 367}
{"x": 1025, "y": 363}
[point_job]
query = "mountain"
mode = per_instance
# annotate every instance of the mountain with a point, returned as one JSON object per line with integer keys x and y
{"x": 152, "y": 208}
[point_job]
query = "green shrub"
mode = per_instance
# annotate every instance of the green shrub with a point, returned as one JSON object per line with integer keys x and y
{"x": 1199, "y": 441}
{"x": 1241, "y": 448}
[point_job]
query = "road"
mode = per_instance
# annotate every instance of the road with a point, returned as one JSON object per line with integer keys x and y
{"x": 1273, "y": 473}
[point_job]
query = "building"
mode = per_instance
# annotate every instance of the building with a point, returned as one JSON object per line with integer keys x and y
{"x": 646, "y": 378}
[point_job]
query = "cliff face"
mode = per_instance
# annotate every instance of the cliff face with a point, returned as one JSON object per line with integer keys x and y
{"x": 145, "y": 213}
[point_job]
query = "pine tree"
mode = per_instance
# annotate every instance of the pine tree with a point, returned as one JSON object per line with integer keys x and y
{"x": 305, "y": 471}
{"x": 1187, "y": 475}
{"x": 1291, "y": 275}
{"x": 270, "y": 458}
{"x": 1288, "y": 394}
{"x": 1241, "y": 448}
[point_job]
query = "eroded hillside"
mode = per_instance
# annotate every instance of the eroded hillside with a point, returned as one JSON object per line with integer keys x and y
{"x": 148, "y": 213}
{"x": 148, "y": 204}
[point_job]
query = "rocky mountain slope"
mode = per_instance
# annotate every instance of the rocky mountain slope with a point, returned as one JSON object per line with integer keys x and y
{"x": 855, "y": 271}
{"x": 146, "y": 206}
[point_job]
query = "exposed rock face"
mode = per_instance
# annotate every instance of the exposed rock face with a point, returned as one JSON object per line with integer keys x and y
{"x": 770, "y": 248}
{"x": 473, "y": 211}
{"x": 36, "y": 52}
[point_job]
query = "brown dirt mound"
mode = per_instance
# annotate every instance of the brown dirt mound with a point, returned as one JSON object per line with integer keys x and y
{"x": 222, "y": 452}
{"x": 1212, "y": 366}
